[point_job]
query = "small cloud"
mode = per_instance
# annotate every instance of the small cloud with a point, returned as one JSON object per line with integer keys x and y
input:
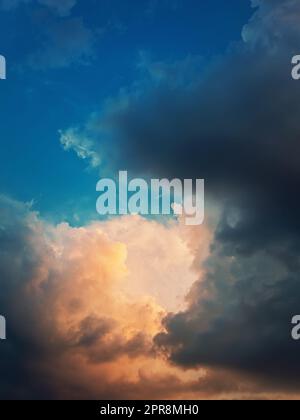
{"x": 71, "y": 139}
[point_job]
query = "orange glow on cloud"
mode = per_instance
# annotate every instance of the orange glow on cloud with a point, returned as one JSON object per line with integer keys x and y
{"x": 87, "y": 303}
{"x": 99, "y": 294}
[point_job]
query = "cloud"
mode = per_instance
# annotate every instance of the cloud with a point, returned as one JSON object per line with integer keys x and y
{"x": 79, "y": 310}
{"x": 239, "y": 318}
{"x": 100, "y": 140}
{"x": 236, "y": 124}
{"x": 240, "y": 311}
{"x": 71, "y": 139}
{"x": 78, "y": 325}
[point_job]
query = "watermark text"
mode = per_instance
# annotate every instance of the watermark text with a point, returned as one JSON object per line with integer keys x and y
{"x": 2, "y": 67}
{"x": 157, "y": 197}
{"x": 2, "y": 328}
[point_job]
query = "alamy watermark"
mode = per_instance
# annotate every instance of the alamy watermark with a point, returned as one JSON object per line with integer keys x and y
{"x": 2, "y": 328}
{"x": 2, "y": 77}
{"x": 296, "y": 67}
{"x": 296, "y": 328}
{"x": 156, "y": 197}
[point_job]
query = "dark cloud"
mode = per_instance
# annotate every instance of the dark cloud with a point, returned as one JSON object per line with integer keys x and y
{"x": 240, "y": 312}
{"x": 239, "y": 317}
{"x": 236, "y": 125}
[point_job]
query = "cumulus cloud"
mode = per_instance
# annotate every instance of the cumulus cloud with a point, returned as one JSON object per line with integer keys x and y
{"x": 237, "y": 126}
{"x": 78, "y": 324}
{"x": 239, "y": 317}
{"x": 161, "y": 258}
{"x": 81, "y": 310}
{"x": 102, "y": 140}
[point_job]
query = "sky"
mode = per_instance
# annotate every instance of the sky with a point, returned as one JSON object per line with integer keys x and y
{"x": 65, "y": 64}
{"x": 145, "y": 308}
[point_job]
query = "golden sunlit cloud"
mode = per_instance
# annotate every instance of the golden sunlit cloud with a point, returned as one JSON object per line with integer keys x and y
{"x": 96, "y": 296}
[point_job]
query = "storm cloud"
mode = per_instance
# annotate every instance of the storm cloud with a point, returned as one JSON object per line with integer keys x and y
{"x": 237, "y": 125}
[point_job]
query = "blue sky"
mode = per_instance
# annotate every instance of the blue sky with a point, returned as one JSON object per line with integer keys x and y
{"x": 63, "y": 64}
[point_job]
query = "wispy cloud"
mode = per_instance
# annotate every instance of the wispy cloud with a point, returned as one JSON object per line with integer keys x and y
{"x": 72, "y": 139}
